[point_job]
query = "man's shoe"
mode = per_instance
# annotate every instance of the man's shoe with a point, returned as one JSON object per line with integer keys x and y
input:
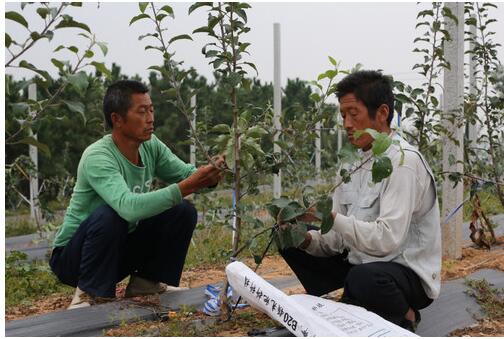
{"x": 139, "y": 286}
{"x": 80, "y": 299}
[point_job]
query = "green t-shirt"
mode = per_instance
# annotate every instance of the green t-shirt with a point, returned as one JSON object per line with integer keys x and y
{"x": 105, "y": 176}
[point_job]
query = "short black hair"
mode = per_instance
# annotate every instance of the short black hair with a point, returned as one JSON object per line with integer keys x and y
{"x": 118, "y": 98}
{"x": 372, "y": 88}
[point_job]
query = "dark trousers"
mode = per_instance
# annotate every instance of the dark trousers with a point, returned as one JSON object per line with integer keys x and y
{"x": 101, "y": 252}
{"x": 385, "y": 288}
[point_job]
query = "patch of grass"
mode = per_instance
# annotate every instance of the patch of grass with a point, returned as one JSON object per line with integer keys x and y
{"x": 490, "y": 299}
{"x": 25, "y": 282}
{"x": 20, "y": 226}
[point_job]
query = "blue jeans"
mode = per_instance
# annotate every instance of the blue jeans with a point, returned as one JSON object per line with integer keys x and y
{"x": 102, "y": 252}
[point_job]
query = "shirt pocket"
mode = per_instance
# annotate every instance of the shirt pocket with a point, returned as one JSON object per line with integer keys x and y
{"x": 347, "y": 197}
{"x": 369, "y": 206}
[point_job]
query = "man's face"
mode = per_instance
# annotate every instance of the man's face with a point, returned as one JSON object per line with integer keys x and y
{"x": 139, "y": 122}
{"x": 355, "y": 117}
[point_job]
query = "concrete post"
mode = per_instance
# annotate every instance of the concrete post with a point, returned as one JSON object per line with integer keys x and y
{"x": 453, "y": 105}
{"x": 318, "y": 149}
{"x": 35, "y": 214}
{"x": 277, "y": 104}
{"x": 192, "y": 147}
{"x": 340, "y": 131}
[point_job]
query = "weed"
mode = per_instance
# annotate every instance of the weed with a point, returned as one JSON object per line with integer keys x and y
{"x": 490, "y": 299}
{"x": 20, "y": 226}
{"x": 25, "y": 281}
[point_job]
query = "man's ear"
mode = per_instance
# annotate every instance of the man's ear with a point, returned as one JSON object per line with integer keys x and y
{"x": 382, "y": 114}
{"x": 116, "y": 118}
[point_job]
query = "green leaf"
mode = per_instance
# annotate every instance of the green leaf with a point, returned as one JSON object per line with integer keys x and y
{"x": 381, "y": 143}
{"x": 42, "y": 11}
{"x": 221, "y": 128}
{"x": 139, "y": 17}
{"x": 252, "y": 147}
{"x": 27, "y": 65}
{"x": 168, "y": 10}
{"x": 142, "y": 6}
{"x": 273, "y": 210}
{"x": 170, "y": 93}
{"x": 290, "y": 212}
{"x": 69, "y": 22}
{"x": 253, "y": 66}
{"x": 75, "y": 106}
{"x": 324, "y": 206}
{"x": 334, "y": 62}
{"x": 256, "y": 132}
{"x": 331, "y": 74}
{"x": 198, "y": 5}
{"x": 8, "y": 40}
{"x": 100, "y": 66}
{"x": 348, "y": 154}
{"x": 230, "y": 156}
{"x": 79, "y": 81}
{"x": 58, "y": 64}
{"x": 88, "y": 54}
{"x": 243, "y": 46}
{"x": 15, "y": 16}
{"x": 308, "y": 193}
{"x": 281, "y": 202}
{"x": 434, "y": 101}
{"x": 345, "y": 176}
{"x": 233, "y": 79}
{"x": 416, "y": 92}
{"x": 103, "y": 47}
{"x": 293, "y": 236}
{"x": 180, "y": 37}
{"x": 202, "y": 29}
{"x": 451, "y": 160}
{"x": 382, "y": 168}
{"x": 315, "y": 97}
{"x": 34, "y": 142}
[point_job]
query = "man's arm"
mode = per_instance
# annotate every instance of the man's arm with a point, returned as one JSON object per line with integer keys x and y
{"x": 386, "y": 234}
{"x": 104, "y": 177}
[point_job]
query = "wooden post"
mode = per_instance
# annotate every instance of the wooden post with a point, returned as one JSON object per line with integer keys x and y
{"x": 277, "y": 104}
{"x": 453, "y": 105}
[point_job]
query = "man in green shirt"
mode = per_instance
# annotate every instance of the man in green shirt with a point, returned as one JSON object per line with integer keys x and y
{"x": 115, "y": 225}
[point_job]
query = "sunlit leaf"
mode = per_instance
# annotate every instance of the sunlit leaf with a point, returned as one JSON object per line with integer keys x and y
{"x": 103, "y": 47}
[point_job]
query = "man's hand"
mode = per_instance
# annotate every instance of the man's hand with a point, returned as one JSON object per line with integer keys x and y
{"x": 307, "y": 240}
{"x": 205, "y": 176}
{"x": 309, "y": 216}
{"x": 299, "y": 243}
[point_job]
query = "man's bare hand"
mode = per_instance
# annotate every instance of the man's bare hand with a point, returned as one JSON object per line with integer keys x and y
{"x": 309, "y": 216}
{"x": 219, "y": 161}
{"x": 205, "y": 176}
